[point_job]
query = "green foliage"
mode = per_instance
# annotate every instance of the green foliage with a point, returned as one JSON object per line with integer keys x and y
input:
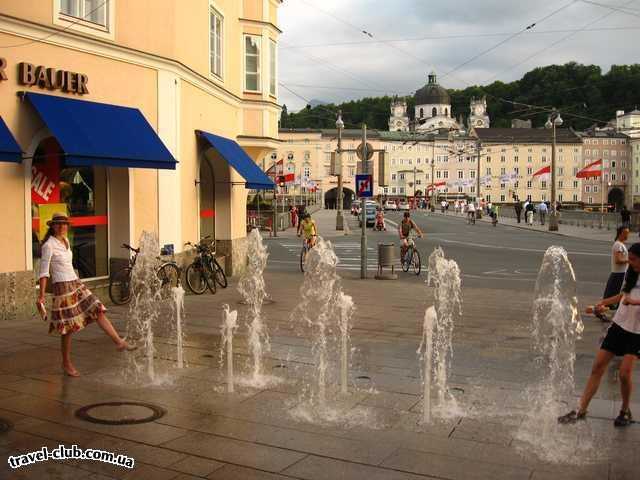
{"x": 577, "y": 89}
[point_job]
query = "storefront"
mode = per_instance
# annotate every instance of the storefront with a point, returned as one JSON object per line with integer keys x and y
{"x": 115, "y": 133}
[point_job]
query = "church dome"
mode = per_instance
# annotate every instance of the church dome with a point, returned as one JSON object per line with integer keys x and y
{"x": 432, "y": 93}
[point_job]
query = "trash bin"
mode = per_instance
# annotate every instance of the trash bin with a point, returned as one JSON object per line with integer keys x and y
{"x": 386, "y": 259}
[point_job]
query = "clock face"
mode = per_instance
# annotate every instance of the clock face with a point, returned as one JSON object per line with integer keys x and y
{"x": 398, "y": 124}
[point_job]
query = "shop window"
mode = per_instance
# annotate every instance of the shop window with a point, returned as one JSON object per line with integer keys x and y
{"x": 215, "y": 42}
{"x": 93, "y": 11}
{"x": 207, "y": 200}
{"x": 79, "y": 192}
{"x": 252, "y": 63}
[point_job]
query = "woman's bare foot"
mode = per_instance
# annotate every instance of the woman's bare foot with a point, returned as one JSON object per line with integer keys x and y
{"x": 70, "y": 370}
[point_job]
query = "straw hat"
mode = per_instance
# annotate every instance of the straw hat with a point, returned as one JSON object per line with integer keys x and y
{"x": 58, "y": 218}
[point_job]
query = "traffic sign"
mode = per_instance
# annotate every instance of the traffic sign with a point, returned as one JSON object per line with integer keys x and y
{"x": 359, "y": 151}
{"x": 364, "y": 185}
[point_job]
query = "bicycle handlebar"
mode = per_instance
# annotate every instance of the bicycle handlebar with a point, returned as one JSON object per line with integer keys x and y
{"x": 136, "y": 250}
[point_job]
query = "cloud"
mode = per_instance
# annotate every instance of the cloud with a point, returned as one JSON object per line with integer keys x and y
{"x": 364, "y": 67}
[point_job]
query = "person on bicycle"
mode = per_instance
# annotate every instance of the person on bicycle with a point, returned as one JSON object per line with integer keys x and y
{"x": 405, "y": 228}
{"x": 380, "y": 219}
{"x": 471, "y": 212}
{"x": 308, "y": 227}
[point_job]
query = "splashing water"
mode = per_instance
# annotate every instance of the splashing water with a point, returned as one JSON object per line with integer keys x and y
{"x": 346, "y": 308}
{"x": 426, "y": 353}
{"x": 445, "y": 276}
{"x": 431, "y": 264}
{"x": 556, "y": 327}
{"x": 144, "y": 310}
{"x": 252, "y": 289}
{"x": 328, "y": 312}
{"x": 228, "y": 328}
{"x": 177, "y": 294}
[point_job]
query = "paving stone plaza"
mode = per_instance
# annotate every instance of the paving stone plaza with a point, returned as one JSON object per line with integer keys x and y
{"x": 262, "y": 433}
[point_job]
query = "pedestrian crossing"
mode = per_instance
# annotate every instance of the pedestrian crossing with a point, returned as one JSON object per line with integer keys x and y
{"x": 348, "y": 255}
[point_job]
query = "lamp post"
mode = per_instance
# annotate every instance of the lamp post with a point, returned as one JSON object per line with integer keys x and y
{"x": 555, "y": 120}
{"x": 339, "y": 217}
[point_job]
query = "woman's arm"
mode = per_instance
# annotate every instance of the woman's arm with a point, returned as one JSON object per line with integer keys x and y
{"x": 611, "y": 300}
{"x": 45, "y": 264}
{"x": 620, "y": 258}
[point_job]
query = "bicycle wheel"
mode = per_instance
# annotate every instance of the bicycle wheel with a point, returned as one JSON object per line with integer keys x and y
{"x": 169, "y": 275}
{"x": 221, "y": 278}
{"x": 120, "y": 286}
{"x": 415, "y": 262}
{"x": 196, "y": 279}
{"x": 210, "y": 275}
{"x": 406, "y": 260}
{"x": 303, "y": 258}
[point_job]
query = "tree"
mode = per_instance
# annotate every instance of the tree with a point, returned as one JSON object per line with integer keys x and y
{"x": 581, "y": 91}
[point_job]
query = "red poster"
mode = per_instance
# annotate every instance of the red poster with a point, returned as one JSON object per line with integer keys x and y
{"x": 45, "y": 181}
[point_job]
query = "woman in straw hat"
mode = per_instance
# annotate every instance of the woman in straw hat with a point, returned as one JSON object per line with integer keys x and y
{"x": 74, "y": 306}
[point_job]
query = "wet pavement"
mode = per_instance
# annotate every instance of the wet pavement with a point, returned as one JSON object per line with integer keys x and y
{"x": 258, "y": 433}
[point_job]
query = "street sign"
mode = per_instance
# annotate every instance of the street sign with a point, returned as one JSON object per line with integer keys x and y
{"x": 364, "y": 185}
{"x": 359, "y": 151}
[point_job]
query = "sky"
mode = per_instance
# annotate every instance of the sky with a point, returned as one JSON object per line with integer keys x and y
{"x": 324, "y": 54}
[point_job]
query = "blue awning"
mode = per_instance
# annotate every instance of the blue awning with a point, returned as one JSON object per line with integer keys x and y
{"x": 9, "y": 148}
{"x": 92, "y": 133}
{"x": 239, "y": 160}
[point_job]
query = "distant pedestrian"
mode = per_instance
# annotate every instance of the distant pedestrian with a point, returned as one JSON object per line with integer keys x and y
{"x": 294, "y": 216}
{"x": 542, "y": 211}
{"x": 529, "y": 213}
{"x": 625, "y": 216}
{"x": 619, "y": 263}
{"x": 518, "y": 209}
{"x": 73, "y": 305}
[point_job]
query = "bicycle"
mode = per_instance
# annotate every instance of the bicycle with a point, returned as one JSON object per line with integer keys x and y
{"x": 202, "y": 272}
{"x": 411, "y": 257}
{"x": 471, "y": 218}
{"x": 306, "y": 246}
{"x": 120, "y": 282}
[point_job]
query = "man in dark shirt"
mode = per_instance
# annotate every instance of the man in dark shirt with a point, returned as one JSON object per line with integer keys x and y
{"x": 625, "y": 216}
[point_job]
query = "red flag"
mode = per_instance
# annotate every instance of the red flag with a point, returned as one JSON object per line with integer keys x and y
{"x": 436, "y": 185}
{"x": 543, "y": 171}
{"x": 594, "y": 169}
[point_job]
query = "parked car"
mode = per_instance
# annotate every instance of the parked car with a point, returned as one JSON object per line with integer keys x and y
{"x": 403, "y": 206}
{"x": 390, "y": 205}
{"x": 370, "y": 214}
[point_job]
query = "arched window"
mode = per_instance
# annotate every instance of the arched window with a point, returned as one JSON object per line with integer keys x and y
{"x": 434, "y": 112}
{"x": 422, "y": 113}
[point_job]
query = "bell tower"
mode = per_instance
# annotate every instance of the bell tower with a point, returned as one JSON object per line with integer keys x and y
{"x": 399, "y": 119}
{"x": 479, "y": 118}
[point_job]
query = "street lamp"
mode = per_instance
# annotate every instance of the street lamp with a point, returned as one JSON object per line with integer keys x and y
{"x": 554, "y": 121}
{"x": 339, "y": 217}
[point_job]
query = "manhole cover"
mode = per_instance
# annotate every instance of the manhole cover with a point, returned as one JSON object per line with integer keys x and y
{"x": 5, "y": 425}
{"x": 120, "y": 413}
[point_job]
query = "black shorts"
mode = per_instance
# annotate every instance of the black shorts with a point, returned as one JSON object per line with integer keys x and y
{"x": 620, "y": 342}
{"x": 614, "y": 284}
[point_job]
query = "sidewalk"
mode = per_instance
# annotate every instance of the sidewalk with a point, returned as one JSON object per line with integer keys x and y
{"x": 254, "y": 434}
{"x": 603, "y": 235}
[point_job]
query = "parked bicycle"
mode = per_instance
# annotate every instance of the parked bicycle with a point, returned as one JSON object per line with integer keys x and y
{"x": 120, "y": 281}
{"x": 411, "y": 257}
{"x": 205, "y": 271}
